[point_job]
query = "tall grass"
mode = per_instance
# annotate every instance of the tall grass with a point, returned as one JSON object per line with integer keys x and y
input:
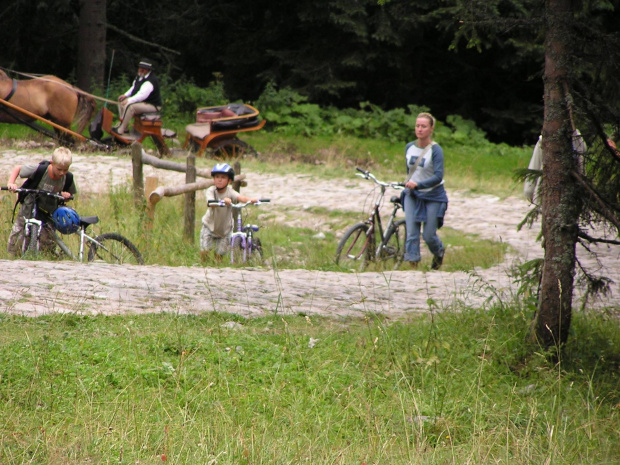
{"x": 219, "y": 389}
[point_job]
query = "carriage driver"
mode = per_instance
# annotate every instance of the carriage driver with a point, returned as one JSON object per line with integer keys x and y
{"x": 142, "y": 97}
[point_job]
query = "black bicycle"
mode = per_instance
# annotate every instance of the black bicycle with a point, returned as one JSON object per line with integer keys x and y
{"x": 369, "y": 242}
{"x": 108, "y": 247}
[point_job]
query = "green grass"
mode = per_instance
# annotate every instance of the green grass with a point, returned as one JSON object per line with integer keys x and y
{"x": 215, "y": 388}
{"x": 488, "y": 170}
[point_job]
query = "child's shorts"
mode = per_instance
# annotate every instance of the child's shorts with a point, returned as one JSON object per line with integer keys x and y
{"x": 221, "y": 245}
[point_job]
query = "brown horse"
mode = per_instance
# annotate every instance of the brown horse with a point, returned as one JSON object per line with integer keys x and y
{"x": 49, "y": 97}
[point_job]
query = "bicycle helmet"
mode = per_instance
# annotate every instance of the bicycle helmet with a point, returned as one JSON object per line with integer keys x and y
{"x": 66, "y": 220}
{"x": 223, "y": 168}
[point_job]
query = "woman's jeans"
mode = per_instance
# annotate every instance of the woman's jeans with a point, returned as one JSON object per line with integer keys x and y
{"x": 412, "y": 244}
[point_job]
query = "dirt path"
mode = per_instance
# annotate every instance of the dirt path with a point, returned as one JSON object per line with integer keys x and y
{"x": 35, "y": 288}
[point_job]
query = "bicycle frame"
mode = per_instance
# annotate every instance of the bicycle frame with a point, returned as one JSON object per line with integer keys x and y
{"x": 244, "y": 235}
{"x": 28, "y": 222}
{"x": 83, "y": 238}
{"x": 371, "y": 240}
{"x": 85, "y": 222}
{"x": 374, "y": 221}
{"x": 108, "y": 247}
{"x": 34, "y": 221}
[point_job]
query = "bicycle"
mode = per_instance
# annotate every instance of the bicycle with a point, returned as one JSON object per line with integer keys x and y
{"x": 108, "y": 247}
{"x": 243, "y": 244}
{"x": 367, "y": 242}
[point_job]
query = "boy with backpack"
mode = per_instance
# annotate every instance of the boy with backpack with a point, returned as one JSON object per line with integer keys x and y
{"x": 51, "y": 176}
{"x": 217, "y": 223}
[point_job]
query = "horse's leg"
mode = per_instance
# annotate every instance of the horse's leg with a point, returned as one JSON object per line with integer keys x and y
{"x": 85, "y": 109}
{"x": 61, "y": 107}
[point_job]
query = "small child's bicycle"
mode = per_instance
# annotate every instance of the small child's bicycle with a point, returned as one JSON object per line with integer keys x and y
{"x": 243, "y": 245}
{"x": 368, "y": 242}
{"x": 109, "y": 247}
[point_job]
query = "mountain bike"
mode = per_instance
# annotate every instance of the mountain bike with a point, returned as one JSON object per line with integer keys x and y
{"x": 108, "y": 247}
{"x": 368, "y": 242}
{"x": 243, "y": 245}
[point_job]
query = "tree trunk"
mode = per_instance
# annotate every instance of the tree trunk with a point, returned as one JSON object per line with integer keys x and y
{"x": 91, "y": 45}
{"x": 560, "y": 200}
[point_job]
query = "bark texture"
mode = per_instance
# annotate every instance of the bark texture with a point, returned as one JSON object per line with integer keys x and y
{"x": 561, "y": 203}
{"x": 91, "y": 45}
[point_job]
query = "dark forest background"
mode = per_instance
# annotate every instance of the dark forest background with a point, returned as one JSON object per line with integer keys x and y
{"x": 336, "y": 52}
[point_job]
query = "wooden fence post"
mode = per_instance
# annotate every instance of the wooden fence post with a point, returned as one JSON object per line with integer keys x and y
{"x": 138, "y": 181}
{"x": 151, "y": 185}
{"x": 190, "y": 198}
{"x": 236, "y": 186}
{"x": 237, "y": 183}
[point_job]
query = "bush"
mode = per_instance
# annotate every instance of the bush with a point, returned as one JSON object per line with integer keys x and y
{"x": 289, "y": 113}
{"x": 183, "y": 97}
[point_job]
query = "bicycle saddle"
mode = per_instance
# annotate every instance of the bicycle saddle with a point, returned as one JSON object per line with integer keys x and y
{"x": 89, "y": 219}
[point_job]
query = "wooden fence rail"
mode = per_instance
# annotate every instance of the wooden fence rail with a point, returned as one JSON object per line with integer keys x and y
{"x": 156, "y": 193}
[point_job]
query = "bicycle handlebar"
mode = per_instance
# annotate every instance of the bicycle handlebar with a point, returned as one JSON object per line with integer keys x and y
{"x": 220, "y": 203}
{"x": 37, "y": 192}
{"x": 368, "y": 175}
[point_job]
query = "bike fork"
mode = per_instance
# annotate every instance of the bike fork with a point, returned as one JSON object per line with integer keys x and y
{"x": 27, "y": 226}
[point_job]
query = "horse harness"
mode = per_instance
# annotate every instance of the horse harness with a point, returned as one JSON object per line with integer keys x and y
{"x": 13, "y": 90}
{"x": 34, "y": 126}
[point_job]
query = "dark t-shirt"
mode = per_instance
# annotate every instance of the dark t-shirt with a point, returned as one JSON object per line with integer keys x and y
{"x": 47, "y": 204}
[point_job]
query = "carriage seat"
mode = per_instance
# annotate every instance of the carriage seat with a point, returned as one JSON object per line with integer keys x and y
{"x": 153, "y": 116}
{"x": 198, "y": 131}
{"x": 221, "y": 118}
{"x": 205, "y": 116}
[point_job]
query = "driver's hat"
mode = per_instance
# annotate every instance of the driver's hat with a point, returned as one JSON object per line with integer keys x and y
{"x": 145, "y": 64}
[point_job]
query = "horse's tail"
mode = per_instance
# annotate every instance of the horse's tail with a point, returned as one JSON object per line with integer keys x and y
{"x": 85, "y": 109}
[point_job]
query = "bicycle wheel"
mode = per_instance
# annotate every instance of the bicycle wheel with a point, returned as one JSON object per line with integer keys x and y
{"x": 30, "y": 247}
{"x": 393, "y": 251}
{"x": 255, "y": 253}
{"x": 257, "y": 247}
{"x": 114, "y": 248}
{"x": 237, "y": 251}
{"x": 354, "y": 248}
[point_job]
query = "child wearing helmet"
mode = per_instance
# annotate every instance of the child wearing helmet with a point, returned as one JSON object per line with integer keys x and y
{"x": 217, "y": 223}
{"x": 50, "y": 176}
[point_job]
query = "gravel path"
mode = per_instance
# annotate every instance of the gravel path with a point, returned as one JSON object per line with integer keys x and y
{"x": 35, "y": 288}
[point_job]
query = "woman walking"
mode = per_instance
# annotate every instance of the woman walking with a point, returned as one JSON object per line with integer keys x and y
{"x": 426, "y": 201}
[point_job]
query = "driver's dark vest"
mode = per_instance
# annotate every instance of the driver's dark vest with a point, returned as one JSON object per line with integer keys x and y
{"x": 155, "y": 97}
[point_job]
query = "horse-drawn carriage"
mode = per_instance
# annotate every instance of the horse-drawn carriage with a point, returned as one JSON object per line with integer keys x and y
{"x": 58, "y": 103}
{"x": 216, "y": 128}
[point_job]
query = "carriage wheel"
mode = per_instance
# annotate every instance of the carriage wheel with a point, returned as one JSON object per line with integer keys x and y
{"x": 233, "y": 148}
